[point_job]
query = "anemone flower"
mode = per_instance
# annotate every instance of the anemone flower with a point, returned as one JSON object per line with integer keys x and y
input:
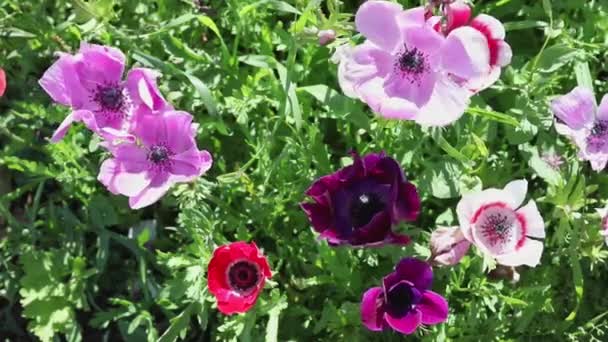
{"x": 494, "y": 221}
{"x": 404, "y": 301}
{"x": 236, "y": 275}
{"x": 358, "y": 205}
{"x": 585, "y": 124}
{"x": 163, "y": 152}
{"x": 475, "y": 50}
{"x": 90, "y": 82}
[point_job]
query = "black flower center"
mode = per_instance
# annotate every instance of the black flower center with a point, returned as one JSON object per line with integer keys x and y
{"x": 158, "y": 154}
{"x": 411, "y": 63}
{"x": 600, "y": 128}
{"x": 364, "y": 208}
{"x": 400, "y": 300}
{"x": 110, "y": 98}
{"x": 243, "y": 276}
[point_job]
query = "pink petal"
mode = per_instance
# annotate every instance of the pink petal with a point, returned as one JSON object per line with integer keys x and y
{"x": 149, "y": 195}
{"x": 141, "y": 83}
{"x": 179, "y": 137}
{"x": 602, "y": 111}
{"x": 406, "y": 325}
{"x": 446, "y": 105}
{"x": 529, "y": 254}
{"x": 130, "y": 184}
{"x": 515, "y": 193}
{"x": 504, "y": 53}
{"x": 100, "y": 64}
{"x": 459, "y": 14}
{"x": 433, "y": 307}
{"x": 370, "y": 310}
{"x": 482, "y": 82}
{"x": 419, "y": 92}
{"x": 107, "y": 171}
{"x": 377, "y": 21}
{"x": 535, "y": 226}
{"x": 424, "y": 39}
{"x": 151, "y": 129}
{"x": 63, "y": 128}
{"x": 448, "y": 245}
{"x": 361, "y": 64}
{"x": 83, "y": 116}
{"x": 412, "y": 17}
{"x": 466, "y": 53}
{"x": 576, "y": 109}
{"x": 60, "y": 80}
{"x": 490, "y": 26}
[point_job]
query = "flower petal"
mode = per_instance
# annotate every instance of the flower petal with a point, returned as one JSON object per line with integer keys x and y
{"x": 466, "y": 53}
{"x": 406, "y": 325}
{"x": 446, "y": 105}
{"x": 416, "y": 271}
{"x": 141, "y": 83}
{"x": 149, "y": 195}
{"x": 371, "y": 314}
{"x": 448, "y": 245}
{"x": 458, "y": 14}
{"x": 535, "y": 226}
{"x": 433, "y": 307}
{"x": 516, "y": 191}
{"x": 602, "y": 111}
{"x": 377, "y": 21}
{"x": 423, "y": 38}
{"x": 2, "y": 82}
{"x": 529, "y": 254}
{"x": 576, "y": 109}
{"x": 489, "y": 26}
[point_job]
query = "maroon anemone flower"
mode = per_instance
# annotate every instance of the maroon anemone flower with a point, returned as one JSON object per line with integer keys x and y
{"x": 359, "y": 204}
{"x": 236, "y": 275}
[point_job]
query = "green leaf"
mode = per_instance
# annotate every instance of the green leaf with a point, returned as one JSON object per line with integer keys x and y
{"x": 583, "y": 75}
{"x": 180, "y": 323}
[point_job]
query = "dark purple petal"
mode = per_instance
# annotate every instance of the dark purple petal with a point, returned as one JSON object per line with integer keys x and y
{"x": 319, "y": 216}
{"x": 407, "y": 203}
{"x": 371, "y": 309}
{"x": 401, "y": 298}
{"x": 374, "y": 233}
{"x": 416, "y": 271}
{"x": 434, "y": 308}
{"x": 407, "y": 324}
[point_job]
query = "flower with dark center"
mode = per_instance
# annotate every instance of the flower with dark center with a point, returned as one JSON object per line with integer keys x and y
{"x": 578, "y": 117}
{"x": 411, "y": 64}
{"x": 110, "y": 98}
{"x": 158, "y": 154}
{"x": 493, "y": 221}
{"x": 236, "y": 275}
{"x": 359, "y": 204}
{"x": 404, "y": 301}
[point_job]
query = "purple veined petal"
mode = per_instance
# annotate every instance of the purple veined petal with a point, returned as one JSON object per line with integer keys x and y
{"x": 100, "y": 65}
{"x": 397, "y": 108}
{"x": 406, "y": 325}
{"x": 377, "y": 21}
{"x": 373, "y": 94}
{"x": 602, "y": 111}
{"x": 446, "y": 105}
{"x": 61, "y": 82}
{"x": 130, "y": 184}
{"x": 150, "y": 195}
{"x": 371, "y": 314}
{"x": 576, "y": 109}
{"x": 466, "y": 53}
{"x": 416, "y": 271}
{"x": 433, "y": 307}
{"x": 528, "y": 254}
{"x": 107, "y": 172}
{"x": 151, "y": 129}
{"x": 63, "y": 128}
{"x": 423, "y": 38}
{"x": 411, "y": 17}
{"x": 535, "y": 225}
{"x": 319, "y": 216}
{"x": 141, "y": 83}
{"x": 418, "y": 91}
{"x": 178, "y": 131}
{"x": 206, "y": 161}
{"x": 84, "y": 116}
{"x": 133, "y": 158}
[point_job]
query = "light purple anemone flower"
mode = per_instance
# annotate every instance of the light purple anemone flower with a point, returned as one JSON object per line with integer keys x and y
{"x": 90, "y": 82}
{"x": 162, "y": 153}
{"x": 404, "y": 69}
{"x": 586, "y": 125}
{"x": 404, "y": 301}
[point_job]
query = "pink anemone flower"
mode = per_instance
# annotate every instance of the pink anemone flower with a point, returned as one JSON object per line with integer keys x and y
{"x": 163, "y": 153}
{"x": 494, "y": 221}
{"x": 90, "y": 82}
{"x": 586, "y": 125}
{"x": 2, "y": 82}
{"x": 477, "y": 48}
{"x": 398, "y": 71}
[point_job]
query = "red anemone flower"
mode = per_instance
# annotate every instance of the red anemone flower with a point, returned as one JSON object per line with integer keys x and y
{"x": 2, "y": 82}
{"x": 237, "y": 273}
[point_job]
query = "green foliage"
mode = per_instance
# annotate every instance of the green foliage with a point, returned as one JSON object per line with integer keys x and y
{"x": 77, "y": 264}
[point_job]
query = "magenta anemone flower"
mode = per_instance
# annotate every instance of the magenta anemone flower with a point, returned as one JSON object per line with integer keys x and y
{"x": 604, "y": 225}
{"x": 404, "y": 301}
{"x": 586, "y": 125}
{"x": 90, "y": 82}
{"x": 475, "y": 50}
{"x": 494, "y": 221}
{"x": 163, "y": 153}
{"x": 400, "y": 70}
{"x": 359, "y": 204}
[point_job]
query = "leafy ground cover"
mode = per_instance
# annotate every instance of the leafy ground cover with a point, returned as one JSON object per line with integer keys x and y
{"x": 76, "y": 263}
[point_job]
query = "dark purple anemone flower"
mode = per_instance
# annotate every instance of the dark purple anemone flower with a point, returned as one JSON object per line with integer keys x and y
{"x": 359, "y": 204}
{"x": 404, "y": 301}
